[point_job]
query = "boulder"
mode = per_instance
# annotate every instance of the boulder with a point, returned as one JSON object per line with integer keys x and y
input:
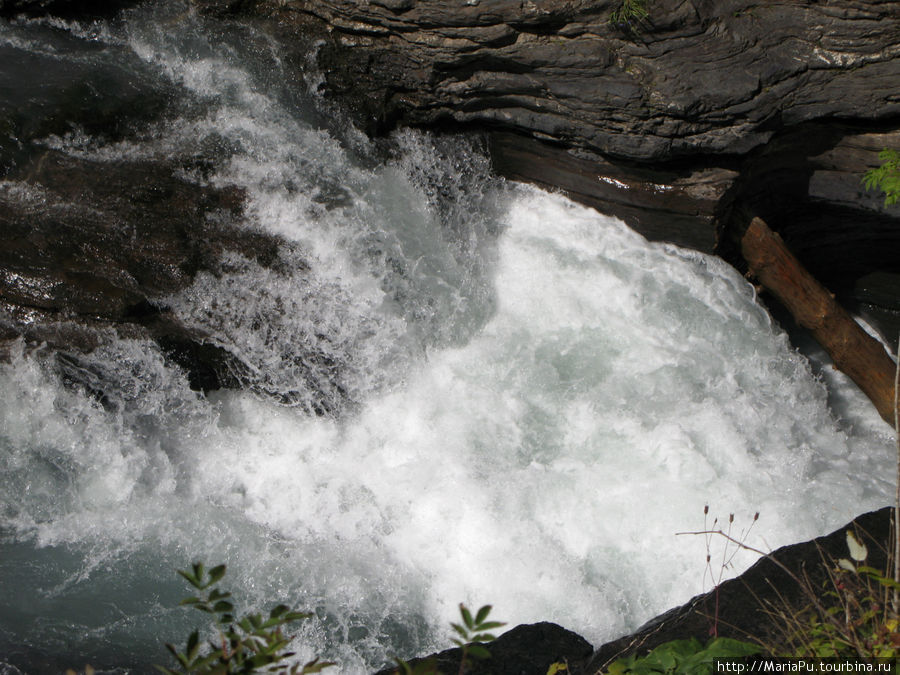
{"x": 524, "y": 650}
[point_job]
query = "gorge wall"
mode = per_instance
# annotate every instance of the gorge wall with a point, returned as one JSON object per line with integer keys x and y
{"x": 683, "y": 124}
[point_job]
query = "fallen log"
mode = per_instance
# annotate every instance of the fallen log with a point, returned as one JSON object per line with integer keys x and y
{"x": 853, "y": 351}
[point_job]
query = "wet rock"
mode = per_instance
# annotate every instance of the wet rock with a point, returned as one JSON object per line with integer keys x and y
{"x": 87, "y": 94}
{"x": 664, "y": 203}
{"x": 90, "y": 249}
{"x": 695, "y": 78}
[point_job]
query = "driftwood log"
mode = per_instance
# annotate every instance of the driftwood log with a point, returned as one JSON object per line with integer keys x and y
{"x": 853, "y": 351}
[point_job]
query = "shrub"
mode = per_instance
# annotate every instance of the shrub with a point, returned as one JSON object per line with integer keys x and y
{"x": 685, "y": 657}
{"x": 245, "y": 645}
{"x": 254, "y": 643}
{"x": 885, "y": 177}
{"x": 856, "y": 615}
{"x": 629, "y": 15}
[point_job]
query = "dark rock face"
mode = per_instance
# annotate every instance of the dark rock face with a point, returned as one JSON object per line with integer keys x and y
{"x": 684, "y": 124}
{"x": 524, "y": 650}
{"x": 680, "y": 204}
{"x": 697, "y": 77}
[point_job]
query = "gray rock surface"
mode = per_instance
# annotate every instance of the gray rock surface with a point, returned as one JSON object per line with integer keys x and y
{"x": 695, "y": 78}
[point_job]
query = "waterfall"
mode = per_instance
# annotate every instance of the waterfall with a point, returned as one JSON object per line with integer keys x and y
{"x": 512, "y": 399}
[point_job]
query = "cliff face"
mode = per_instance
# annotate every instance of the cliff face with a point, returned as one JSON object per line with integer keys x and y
{"x": 682, "y": 124}
{"x": 695, "y": 78}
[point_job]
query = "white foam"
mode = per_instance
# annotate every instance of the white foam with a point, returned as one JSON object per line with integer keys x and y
{"x": 544, "y": 466}
{"x": 540, "y": 400}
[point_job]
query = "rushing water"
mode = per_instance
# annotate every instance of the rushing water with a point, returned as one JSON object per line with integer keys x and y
{"x": 539, "y": 398}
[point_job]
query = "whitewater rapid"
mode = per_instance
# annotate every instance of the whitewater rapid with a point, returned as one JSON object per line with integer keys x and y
{"x": 539, "y": 399}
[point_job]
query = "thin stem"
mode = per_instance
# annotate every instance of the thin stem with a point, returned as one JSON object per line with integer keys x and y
{"x": 775, "y": 561}
{"x": 895, "y": 599}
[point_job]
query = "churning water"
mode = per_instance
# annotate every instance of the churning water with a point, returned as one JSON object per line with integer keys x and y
{"x": 530, "y": 399}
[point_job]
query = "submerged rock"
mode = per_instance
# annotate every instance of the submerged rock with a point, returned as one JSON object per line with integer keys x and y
{"x": 89, "y": 248}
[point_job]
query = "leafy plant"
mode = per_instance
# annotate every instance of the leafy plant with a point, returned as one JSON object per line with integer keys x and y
{"x": 472, "y": 632}
{"x": 628, "y": 15}
{"x": 885, "y": 177}
{"x": 250, "y": 644}
{"x": 685, "y": 657}
{"x": 856, "y": 617}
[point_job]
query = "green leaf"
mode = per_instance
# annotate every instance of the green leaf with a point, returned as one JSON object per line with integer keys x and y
{"x": 885, "y": 177}
{"x": 490, "y": 625}
{"x": 278, "y": 610}
{"x": 463, "y": 633}
{"x": 316, "y": 666}
{"x": 223, "y": 606}
{"x": 482, "y": 614}
{"x": 558, "y": 667}
{"x": 193, "y": 645}
{"x": 190, "y": 578}
{"x": 728, "y": 648}
{"x": 216, "y": 574}
{"x": 466, "y": 616}
{"x": 297, "y": 616}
